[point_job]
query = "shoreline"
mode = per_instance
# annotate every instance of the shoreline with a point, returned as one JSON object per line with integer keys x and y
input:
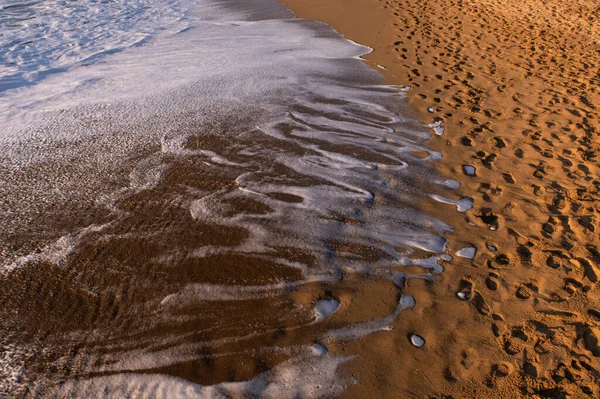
{"x": 237, "y": 230}
{"x": 250, "y": 224}
{"x": 515, "y": 90}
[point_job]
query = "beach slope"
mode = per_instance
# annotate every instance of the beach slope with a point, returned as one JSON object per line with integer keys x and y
{"x": 515, "y": 83}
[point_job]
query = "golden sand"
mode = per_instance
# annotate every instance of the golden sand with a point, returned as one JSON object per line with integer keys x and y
{"x": 516, "y": 85}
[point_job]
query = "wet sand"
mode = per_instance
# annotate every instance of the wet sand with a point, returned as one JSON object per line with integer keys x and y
{"x": 236, "y": 229}
{"x": 515, "y": 83}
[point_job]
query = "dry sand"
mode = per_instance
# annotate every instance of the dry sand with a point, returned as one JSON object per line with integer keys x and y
{"x": 516, "y": 85}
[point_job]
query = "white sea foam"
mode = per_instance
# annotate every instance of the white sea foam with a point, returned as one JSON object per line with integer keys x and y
{"x": 310, "y": 135}
{"x": 462, "y": 204}
{"x": 451, "y": 184}
{"x": 359, "y": 330}
{"x": 437, "y": 127}
{"x": 214, "y": 292}
{"x": 427, "y": 263}
{"x": 468, "y": 252}
{"x": 44, "y": 37}
{"x": 12, "y": 368}
{"x": 303, "y": 377}
{"x": 54, "y": 253}
{"x": 325, "y": 308}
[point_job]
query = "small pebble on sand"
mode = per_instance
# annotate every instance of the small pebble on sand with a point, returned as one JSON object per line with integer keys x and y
{"x": 417, "y": 341}
{"x": 469, "y": 170}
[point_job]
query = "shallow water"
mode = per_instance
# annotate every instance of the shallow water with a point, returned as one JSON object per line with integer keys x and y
{"x": 42, "y": 37}
{"x": 184, "y": 218}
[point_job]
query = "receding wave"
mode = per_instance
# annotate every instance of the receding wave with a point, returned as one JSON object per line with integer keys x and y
{"x": 191, "y": 217}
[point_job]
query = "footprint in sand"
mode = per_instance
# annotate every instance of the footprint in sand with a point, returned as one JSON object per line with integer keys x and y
{"x": 491, "y": 283}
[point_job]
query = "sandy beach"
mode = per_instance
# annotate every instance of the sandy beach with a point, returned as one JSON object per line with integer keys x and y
{"x": 214, "y": 199}
{"x": 515, "y": 83}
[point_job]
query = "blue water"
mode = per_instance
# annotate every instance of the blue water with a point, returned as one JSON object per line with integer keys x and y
{"x": 39, "y": 38}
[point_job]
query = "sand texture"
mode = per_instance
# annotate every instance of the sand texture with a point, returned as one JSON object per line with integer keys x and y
{"x": 515, "y": 83}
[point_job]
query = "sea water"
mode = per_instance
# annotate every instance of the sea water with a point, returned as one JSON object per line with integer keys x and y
{"x": 42, "y": 37}
{"x": 186, "y": 189}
